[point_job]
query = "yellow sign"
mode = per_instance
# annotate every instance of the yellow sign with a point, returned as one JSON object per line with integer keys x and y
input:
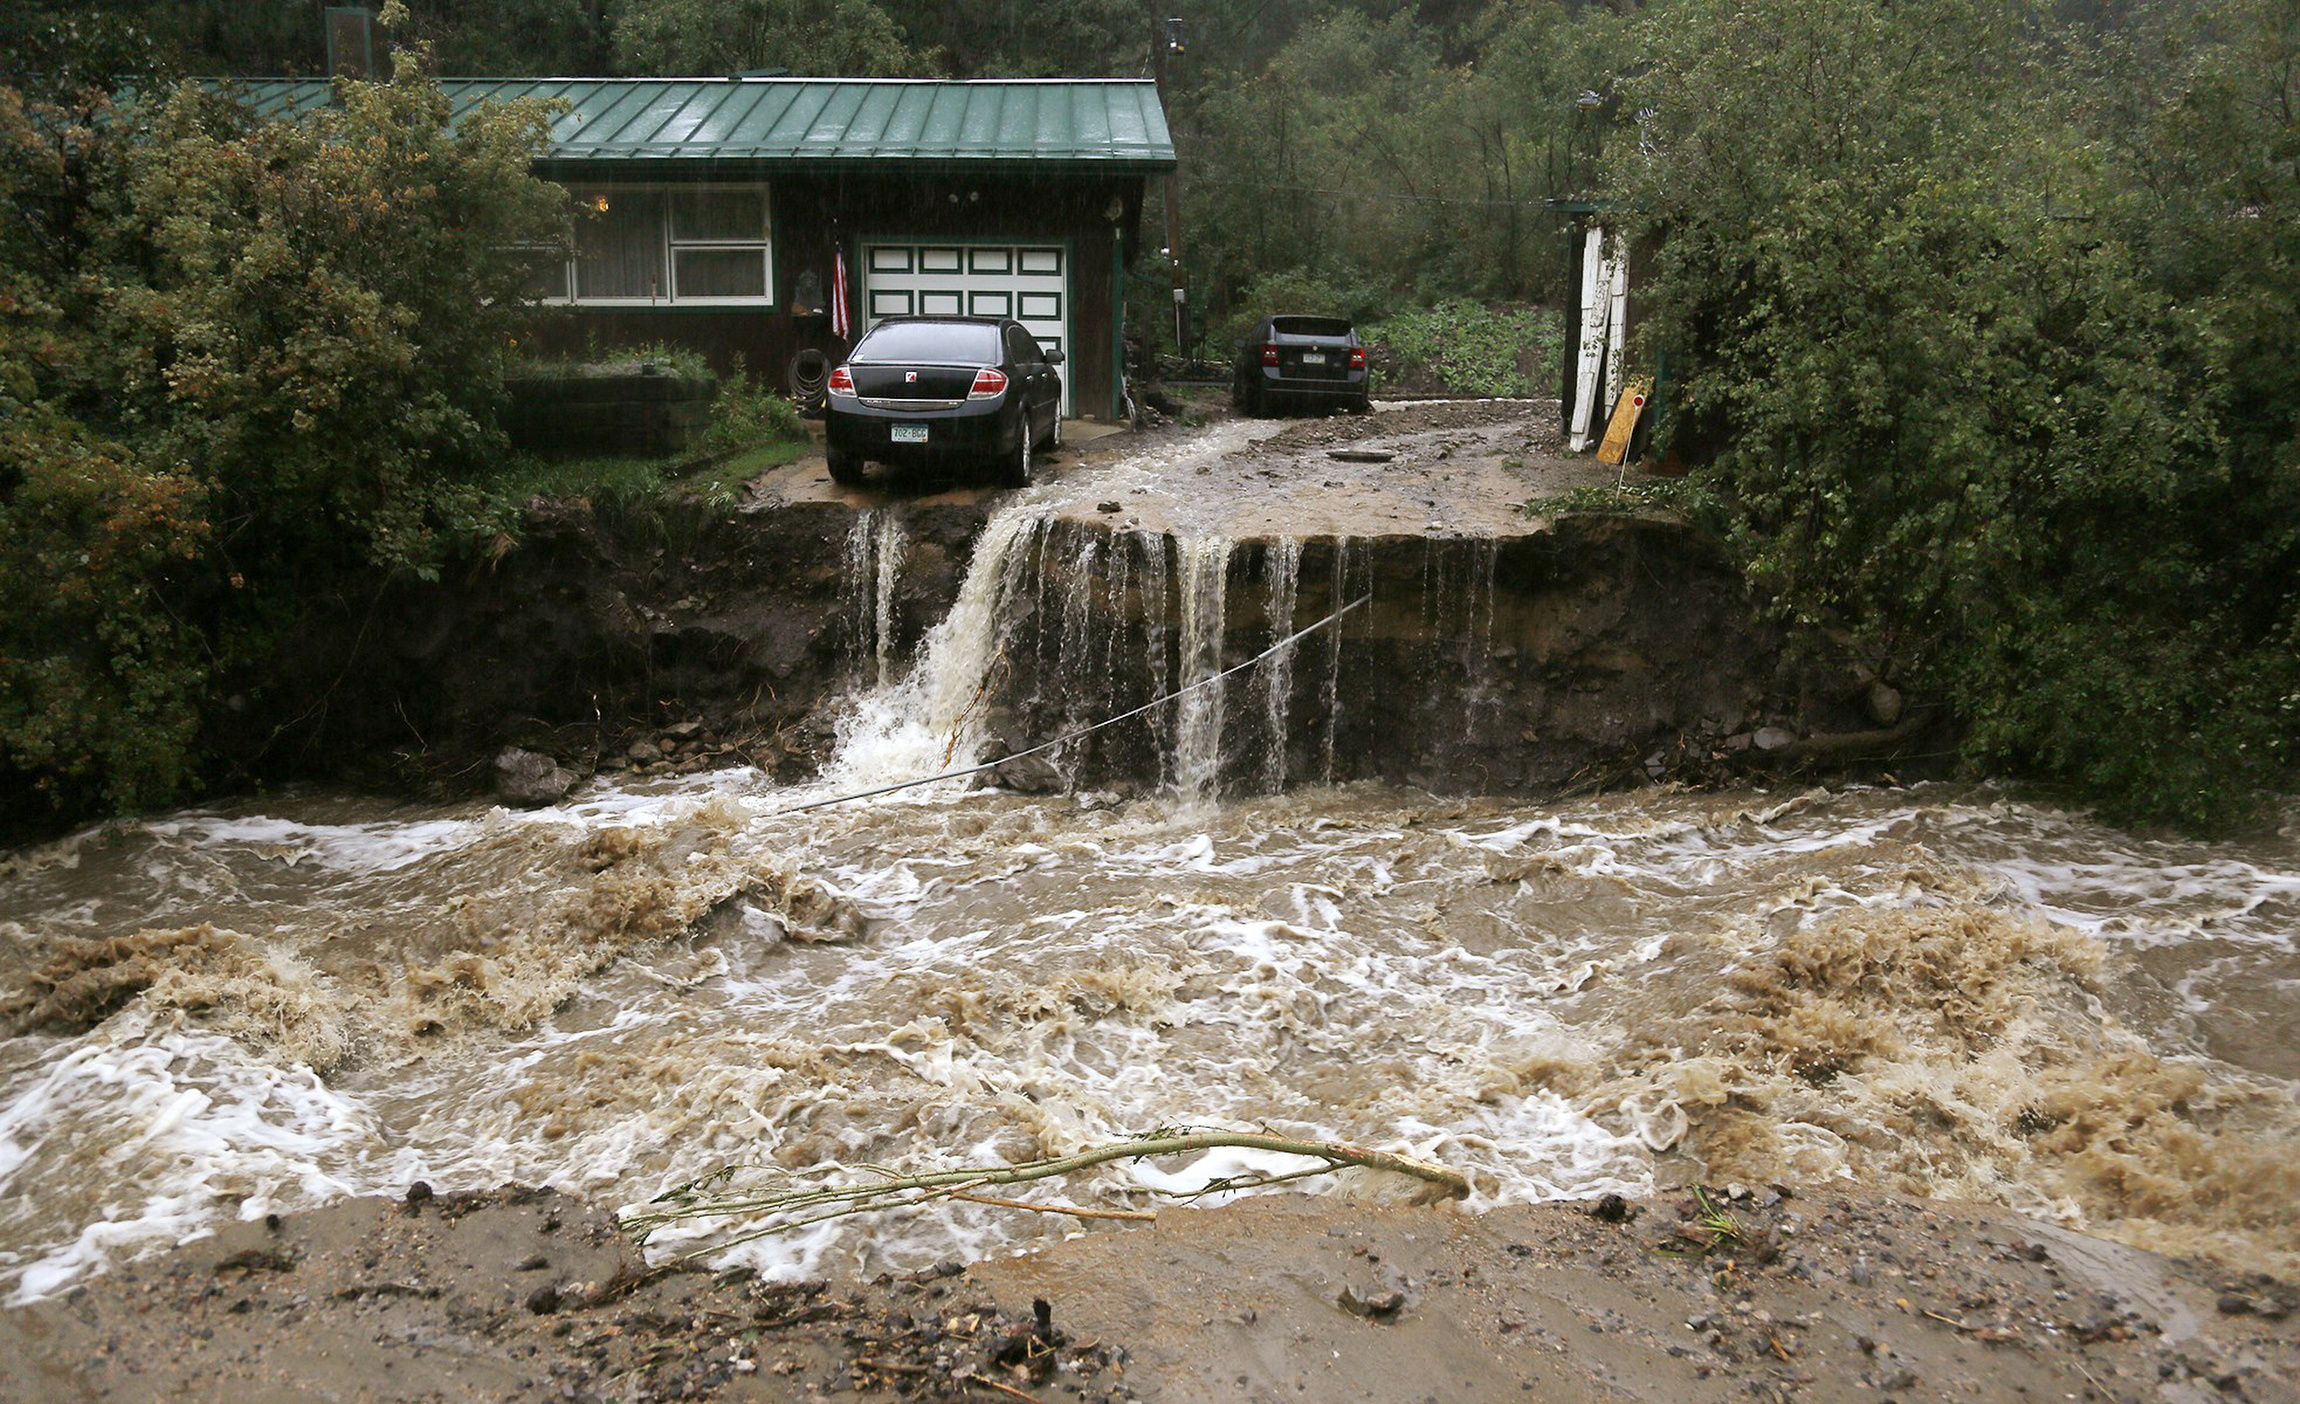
{"x": 1623, "y": 426}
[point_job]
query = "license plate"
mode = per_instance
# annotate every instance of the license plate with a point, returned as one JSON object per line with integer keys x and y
{"x": 908, "y": 433}
{"x": 1313, "y": 358}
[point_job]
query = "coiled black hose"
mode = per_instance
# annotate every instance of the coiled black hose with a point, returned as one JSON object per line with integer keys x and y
{"x": 810, "y": 371}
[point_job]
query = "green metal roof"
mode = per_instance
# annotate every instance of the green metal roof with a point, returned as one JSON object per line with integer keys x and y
{"x": 809, "y": 123}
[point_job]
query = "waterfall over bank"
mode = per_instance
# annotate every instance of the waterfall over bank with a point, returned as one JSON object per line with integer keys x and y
{"x": 1477, "y": 664}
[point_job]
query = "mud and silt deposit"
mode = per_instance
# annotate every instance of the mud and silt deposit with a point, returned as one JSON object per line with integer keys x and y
{"x": 524, "y": 1294}
{"x": 216, "y": 1018}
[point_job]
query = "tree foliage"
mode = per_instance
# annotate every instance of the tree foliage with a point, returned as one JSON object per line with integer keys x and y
{"x": 232, "y": 371}
{"x": 1395, "y": 148}
{"x": 1980, "y": 385}
{"x": 818, "y": 37}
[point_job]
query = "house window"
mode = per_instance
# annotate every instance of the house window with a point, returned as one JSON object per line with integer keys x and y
{"x": 546, "y": 271}
{"x": 619, "y": 247}
{"x": 652, "y": 245}
{"x": 719, "y": 245}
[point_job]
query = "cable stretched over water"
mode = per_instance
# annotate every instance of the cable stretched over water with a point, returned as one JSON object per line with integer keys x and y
{"x": 1209, "y": 680}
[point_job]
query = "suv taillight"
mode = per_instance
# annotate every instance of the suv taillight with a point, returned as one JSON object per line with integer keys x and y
{"x": 1270, "y": 353}
{"x": 989, "y": 384}
{"x": 1357, "y": 358}
{"x": 842, "y": 382}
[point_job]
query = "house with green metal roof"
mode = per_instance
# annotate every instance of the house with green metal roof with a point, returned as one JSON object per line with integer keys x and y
{"x": 719, "y": 210}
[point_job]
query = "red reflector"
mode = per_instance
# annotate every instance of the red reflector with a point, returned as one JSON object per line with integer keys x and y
{"x": 842, "y": 382}
{"x": 1357, "y": 358}
{"x": 987, "y": 382}
{"x": 1270, "y": 355}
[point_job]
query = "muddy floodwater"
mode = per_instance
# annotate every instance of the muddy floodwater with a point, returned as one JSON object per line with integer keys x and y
{"x": 222, "y": 1013}
{"x": 1950, "y": 991}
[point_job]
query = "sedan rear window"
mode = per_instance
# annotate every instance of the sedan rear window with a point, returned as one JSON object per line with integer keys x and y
{"x": 950, "y": 342}
{"x": 1310, "y": 326}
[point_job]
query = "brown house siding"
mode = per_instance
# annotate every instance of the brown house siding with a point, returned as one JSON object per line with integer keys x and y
{"x": 811, "y": 215}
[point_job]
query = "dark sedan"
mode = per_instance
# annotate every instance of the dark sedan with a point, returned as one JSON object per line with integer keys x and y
{"x": 1314, "y": 363}
{"x": 974, "y": 393}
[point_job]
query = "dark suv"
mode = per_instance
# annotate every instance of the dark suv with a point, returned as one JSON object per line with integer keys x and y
{"x": 935, "y": 392}
{"x": 1303, "y": 362}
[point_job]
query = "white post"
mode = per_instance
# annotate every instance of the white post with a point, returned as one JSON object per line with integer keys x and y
{"x": 1617, "y": 322}
{"x": 1596, "y": 304}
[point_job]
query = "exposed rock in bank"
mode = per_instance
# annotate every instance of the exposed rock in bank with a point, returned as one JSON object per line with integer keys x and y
{"x": 526, "y": 778}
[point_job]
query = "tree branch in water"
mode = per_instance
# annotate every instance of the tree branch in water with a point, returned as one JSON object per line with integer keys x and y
{"x": 795, "y": 1208}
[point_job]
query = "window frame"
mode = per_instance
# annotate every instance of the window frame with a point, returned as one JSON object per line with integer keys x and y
{"x": 668, "y": 245}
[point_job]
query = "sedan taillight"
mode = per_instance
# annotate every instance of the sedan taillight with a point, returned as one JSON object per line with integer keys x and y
{"x": 1357, "y": 358}
{"x": 1270, "y": 354}
{"x": 842, "y": 382}
{"x": 989, "y": 384}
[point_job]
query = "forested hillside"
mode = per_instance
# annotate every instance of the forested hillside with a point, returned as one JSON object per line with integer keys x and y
{"x": 1980, "y": 315}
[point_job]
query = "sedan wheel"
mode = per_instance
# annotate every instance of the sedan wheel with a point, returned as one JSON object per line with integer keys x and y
{"x": 846, "y": 468}
{"x": 1016, "y": 472}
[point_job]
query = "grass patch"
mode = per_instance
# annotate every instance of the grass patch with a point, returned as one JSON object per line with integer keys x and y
{"x": 604, "y": 482}
{"x": 722, "y": 480}
{"x": 1626, "y": 498}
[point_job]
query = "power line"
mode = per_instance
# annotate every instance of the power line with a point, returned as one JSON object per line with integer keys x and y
{"x": 1370, "y": 194}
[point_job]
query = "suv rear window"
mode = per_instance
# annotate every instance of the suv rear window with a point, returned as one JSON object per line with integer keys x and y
{"x": 954, "y": 342}
{"x": 1310, "y": 326}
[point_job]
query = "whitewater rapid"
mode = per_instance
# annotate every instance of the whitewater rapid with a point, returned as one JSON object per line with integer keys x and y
{"x": 221, "y": 1014}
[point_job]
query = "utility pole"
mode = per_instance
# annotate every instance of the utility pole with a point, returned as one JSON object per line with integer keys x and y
{"x": 1166, "y": 38}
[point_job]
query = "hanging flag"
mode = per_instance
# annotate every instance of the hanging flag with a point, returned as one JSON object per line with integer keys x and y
{"x": 842, "y": 325}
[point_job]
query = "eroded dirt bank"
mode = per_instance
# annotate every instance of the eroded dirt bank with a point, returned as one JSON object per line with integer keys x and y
{"x": 1823, "y": 1294}
{"x": 1494, "y": 652}
{"x": 616, "y": 639}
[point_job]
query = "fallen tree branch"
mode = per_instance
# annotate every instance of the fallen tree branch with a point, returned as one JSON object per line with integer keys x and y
{"x": 792, "y": 1208}
{"x": 1846, "y": 747}
{"x": 1137, "y": 1215}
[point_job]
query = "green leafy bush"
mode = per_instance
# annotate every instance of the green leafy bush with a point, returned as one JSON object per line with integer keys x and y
{"x": 240, "y": 361}
{"x": 1304, "y": 291}
{"x": 1472, "y": 349}
{"x": 1686, "y": 497}
{"x": 746, "y": 412}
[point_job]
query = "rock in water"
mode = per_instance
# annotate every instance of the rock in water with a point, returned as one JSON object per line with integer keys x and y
{"x": 1030, "y": 775}
{"x": 1775, "y": 738}
{"x": 529, "y": 778}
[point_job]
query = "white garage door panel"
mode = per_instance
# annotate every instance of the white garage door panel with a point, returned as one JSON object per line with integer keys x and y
{"x": 1028, "y": 282}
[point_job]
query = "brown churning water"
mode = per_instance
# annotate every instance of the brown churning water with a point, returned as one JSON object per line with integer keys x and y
{"x": 1942, "y": 991}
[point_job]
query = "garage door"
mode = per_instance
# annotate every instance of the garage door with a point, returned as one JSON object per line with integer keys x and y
{"x": 1028, "y": 282}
